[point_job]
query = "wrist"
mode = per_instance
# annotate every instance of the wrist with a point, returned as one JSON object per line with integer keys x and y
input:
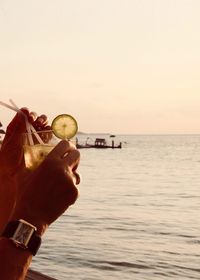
{"x": 7, "y": 245}
{"x": 23, "y": 235}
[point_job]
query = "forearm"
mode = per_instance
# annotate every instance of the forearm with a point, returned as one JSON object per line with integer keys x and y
{"x": 14, "y": 262}
{"x": 7, "y": 198}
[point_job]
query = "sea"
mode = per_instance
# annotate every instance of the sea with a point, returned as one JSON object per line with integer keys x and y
{"x": 137, "y": 216}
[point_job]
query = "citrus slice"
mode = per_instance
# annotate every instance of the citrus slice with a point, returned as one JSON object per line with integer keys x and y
{"x": 64, "y": 126}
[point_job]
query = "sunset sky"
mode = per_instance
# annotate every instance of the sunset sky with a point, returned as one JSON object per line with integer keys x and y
{"x": 118, "y": 66}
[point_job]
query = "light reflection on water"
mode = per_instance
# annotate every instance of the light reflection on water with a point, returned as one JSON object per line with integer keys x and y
{"x": 137, "y": 216}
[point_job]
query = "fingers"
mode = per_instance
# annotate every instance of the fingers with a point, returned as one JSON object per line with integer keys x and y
{"x": 15, "y": 129}
{"x": 12, "y": 146}
{"x": 72, "y": 159}
{"x": 34, "y": 119}
{"x": 40, "y": 122}
{"x": 67, "y": 156}
{"x": 77, "y": 178}
{"x": 46, "y": 134}
{"x": 32, "y": 115}
{"x": 17, "y": 124}
{"x": 42, "y": 127}
{"x": 61, "y": 149}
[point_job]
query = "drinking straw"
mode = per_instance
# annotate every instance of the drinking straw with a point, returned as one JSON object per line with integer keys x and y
{"x": 8, "y": 106}
{"x": 29, "y": 127}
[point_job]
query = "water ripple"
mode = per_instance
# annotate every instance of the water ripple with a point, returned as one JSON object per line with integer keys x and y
{"x": 123, "y": 264}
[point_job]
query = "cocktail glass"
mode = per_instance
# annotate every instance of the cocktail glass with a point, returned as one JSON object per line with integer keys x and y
{"x": 35, "y": 150}
{"x": 35, "y": 153}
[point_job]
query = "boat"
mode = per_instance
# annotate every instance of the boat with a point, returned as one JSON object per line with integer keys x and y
{"x": 99, "y": 143}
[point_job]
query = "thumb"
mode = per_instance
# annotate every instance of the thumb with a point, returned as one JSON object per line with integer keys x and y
{"x": 12, "y": 146}
{"x": 16, "y": 126}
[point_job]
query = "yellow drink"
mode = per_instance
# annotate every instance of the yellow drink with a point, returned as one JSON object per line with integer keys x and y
{"x": 35, "y": 154}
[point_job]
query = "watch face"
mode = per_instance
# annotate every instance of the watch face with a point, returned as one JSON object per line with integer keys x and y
{"x": 23, "y": 234}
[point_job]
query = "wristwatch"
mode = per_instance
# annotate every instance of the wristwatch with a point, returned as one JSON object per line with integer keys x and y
{"x": 24, "y": 235}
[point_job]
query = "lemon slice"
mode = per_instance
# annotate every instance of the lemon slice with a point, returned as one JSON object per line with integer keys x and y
{"x": 64, "y": 126}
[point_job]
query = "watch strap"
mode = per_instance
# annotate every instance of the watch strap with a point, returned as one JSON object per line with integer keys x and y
{"x": 34, "y": 242}
{"x": 10, "y": 229}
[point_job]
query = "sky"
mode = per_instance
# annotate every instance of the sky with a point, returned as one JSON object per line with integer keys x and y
{"x": 117, "y": 66}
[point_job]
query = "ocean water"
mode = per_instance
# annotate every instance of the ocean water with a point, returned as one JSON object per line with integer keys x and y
{"x": 137, "y": 217}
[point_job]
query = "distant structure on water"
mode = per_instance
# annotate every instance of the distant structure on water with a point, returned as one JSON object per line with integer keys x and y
{"x": 99, "y": 143}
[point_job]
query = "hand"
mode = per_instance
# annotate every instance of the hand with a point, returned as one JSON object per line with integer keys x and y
{"x": 12, "y": 160}
{"x": 50, "y": 189}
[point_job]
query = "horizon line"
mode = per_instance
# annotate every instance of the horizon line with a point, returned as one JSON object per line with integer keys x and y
{"x": 138, "y": 134}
